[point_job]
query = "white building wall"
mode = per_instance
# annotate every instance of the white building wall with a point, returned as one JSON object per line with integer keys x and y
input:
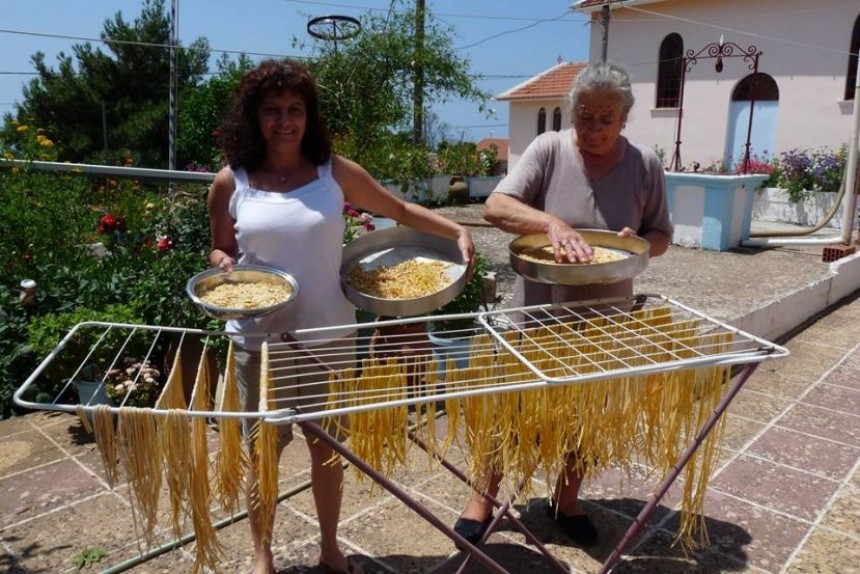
{"x": 523, "y": 124}
{"x": 809, "y": 68}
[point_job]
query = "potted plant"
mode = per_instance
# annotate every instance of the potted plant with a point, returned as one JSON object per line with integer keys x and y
{"x": 451, "y": 337}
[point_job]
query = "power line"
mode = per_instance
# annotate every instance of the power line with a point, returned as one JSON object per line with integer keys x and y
{"x": 438, "y": 14}
{"x": 144, "y": 44}
{"x": 532, "y": 25}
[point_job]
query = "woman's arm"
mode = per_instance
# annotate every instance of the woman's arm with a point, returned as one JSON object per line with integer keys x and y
{"x": 360, "y": 189}
{"x": 512, "y": 215}
{"x": 225, "y": 250}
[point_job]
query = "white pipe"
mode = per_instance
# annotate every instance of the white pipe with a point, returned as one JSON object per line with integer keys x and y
{"x": 778, "y": 241}
{"x": 851, "y": 170}
{"x": 850, "y": 200}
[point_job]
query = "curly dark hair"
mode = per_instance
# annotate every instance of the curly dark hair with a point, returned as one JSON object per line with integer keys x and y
{"x": 241, "y": 139}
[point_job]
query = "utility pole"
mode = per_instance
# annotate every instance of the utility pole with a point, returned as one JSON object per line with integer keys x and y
{"x": 174, "y": 67}
{"x": 604, "y": 21}
{"x": 418, "y": 71}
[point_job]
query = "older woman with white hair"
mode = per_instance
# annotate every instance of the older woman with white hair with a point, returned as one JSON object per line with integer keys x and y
{"x": 586, "y": 177}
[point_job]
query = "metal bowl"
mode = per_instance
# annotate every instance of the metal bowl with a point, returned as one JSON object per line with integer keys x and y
{"x": 634, "y": 248}
{"x": 395, "y": 245}
{"x": 211, "y": 278}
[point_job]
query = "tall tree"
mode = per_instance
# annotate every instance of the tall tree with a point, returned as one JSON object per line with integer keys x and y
{"x": 201, "y": 113}
{"x": 100, "y": 106}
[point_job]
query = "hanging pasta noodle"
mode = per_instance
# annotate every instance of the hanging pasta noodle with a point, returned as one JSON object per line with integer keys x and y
{"x": 609, "y": 422}
{"x": 231, "y": 462}
{"x": 174, "y": 435}
{"x": 208, "y": 550}
{"x": 82, "y": 415}
{"x": 104, "y": 430}
{"x": 265, "y": 437}
{"x": 138, "y": 448}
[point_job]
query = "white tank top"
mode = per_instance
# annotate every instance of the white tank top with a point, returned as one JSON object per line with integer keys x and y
{"x": 300, "y": 232}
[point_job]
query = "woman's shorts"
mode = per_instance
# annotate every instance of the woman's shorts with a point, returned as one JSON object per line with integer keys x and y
{"x": 299, "y": 380}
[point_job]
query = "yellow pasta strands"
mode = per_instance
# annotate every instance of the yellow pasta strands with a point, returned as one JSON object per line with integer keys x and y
{"x": 618, "y": 422}
{"x": 174, "y": 434}
{"x": 139, "y": 448}
{"x": 379, "y": 436}
{"x": 208, "y": 551}
{"x": 104, "y": 430}
{"x": 265, "y": 491}
{"x": 231, "y": 462}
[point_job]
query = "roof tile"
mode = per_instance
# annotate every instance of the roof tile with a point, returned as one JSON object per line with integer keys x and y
{"x": 501, "y": 143}
{"x": 554, "y": 83}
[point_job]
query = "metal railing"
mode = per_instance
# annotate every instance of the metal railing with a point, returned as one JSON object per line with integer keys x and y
{"x": 111, "y": 170}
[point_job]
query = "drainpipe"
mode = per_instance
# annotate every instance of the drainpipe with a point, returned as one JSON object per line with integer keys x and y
{"x": 851, "y": 170}
{"x": 850, "y": 183}
{"x": 604, "y": 20}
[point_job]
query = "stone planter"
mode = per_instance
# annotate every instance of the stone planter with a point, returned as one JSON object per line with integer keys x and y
{"x": 444, "y": 348}
{"x": 711, "y": 211}
{"x": 481, "y": 187}
{"x": 774, "y": 204}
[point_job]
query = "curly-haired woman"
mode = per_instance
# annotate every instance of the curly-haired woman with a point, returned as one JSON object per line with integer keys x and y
{"x": 279, "y": 202}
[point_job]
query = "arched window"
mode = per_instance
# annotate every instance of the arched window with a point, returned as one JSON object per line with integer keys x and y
{"x": 851, "y": 76}
{"x": 759, "y": 87}
{"x": 669, "y": 71}
{"x": 556, "y": 120}
{"x": 541, "y": 121}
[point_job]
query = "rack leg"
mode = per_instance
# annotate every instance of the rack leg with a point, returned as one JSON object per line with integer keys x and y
{"x": 317, "y": 431}
{"x": 503, "y": 507}
{"x": 641, "y": 521}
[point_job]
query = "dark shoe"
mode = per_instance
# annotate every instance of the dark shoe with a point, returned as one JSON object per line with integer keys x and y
{"x": 472, "y": 530}
{"x": 579, "y": 527}
{"x": 352, "y": 567}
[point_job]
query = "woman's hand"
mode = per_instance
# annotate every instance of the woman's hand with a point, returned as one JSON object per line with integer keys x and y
{"x": 568, "y": 243}
{"x": 222, "y": 261}
{"x": 467, "y": 247}
{"x": 626, "y": 232}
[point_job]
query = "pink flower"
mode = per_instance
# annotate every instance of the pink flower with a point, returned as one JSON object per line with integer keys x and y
{"x": 369, "y": 226}
{"x": 164, "y": 244}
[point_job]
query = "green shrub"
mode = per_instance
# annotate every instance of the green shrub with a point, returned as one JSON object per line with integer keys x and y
{"x": 470, "y": 300}
{"x": 87, "y": 354}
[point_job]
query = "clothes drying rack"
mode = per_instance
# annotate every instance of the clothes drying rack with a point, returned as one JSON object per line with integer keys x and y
{"x": 556, "y": 346}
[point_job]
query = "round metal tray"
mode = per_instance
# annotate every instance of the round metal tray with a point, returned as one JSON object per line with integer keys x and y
{"x": 633, "y": 247}
{"x": 211, "y": 278}
{"x": 392, "y": 246}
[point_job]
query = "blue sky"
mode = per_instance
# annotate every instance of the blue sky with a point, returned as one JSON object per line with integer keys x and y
{"x": 508, "y": 38}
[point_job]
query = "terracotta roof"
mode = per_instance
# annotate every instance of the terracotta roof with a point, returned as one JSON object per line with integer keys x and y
{"x": 554, "y": 83}
{"x": 501, "y": 143}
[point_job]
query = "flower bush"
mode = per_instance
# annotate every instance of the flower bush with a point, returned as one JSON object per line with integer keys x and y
{"x": 799, "y": 171}
{"x": 134, "y": 384}
{"x": 104, "y": 249}
{"x": 802, "y": 172}
{"x": 357, "y": 222}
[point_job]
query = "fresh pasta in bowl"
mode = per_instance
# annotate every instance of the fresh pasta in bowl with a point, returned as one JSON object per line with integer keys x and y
{"x": 408, "y": 279}
{"x": 246, "y": 295}
{"x": 247, "y": 291}
{"x": 616, "y": 258}
{"x": 402, "y": 272}
{"x": 544, "y": 254}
